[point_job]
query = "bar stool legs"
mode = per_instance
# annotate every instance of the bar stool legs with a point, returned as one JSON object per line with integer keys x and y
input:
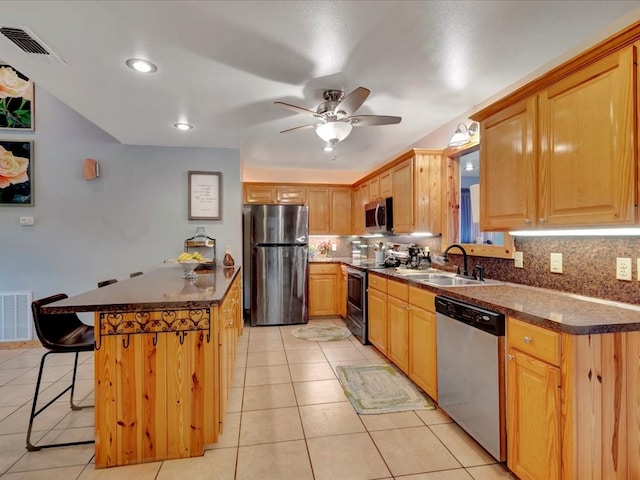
{"x": 34, "y": 413}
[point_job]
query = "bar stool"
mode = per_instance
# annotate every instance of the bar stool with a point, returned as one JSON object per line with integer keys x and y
{"x": 135, "y": 274}
{"x": 104, "y": 283}
{"x": 58, "y": 333}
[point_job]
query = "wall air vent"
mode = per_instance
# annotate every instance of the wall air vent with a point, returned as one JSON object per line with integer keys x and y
{"x": 30, "y": 44}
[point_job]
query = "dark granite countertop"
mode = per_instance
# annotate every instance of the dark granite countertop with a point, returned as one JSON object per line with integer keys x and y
{"x": 159, "y": 289}
{"x": 559, "y": 311}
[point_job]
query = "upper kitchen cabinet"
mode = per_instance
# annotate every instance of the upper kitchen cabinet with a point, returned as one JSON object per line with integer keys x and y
{"x": 386, "y": 184}
{"x": 374, "y": 188}
{"x": 416, "y": 183}
{"x": 329, "y": 210}
{"x": 259, "y": 193}
{"x": 360, "y": 199}
{"x": 559, "y": 152}
{"x": 294, "y": 194}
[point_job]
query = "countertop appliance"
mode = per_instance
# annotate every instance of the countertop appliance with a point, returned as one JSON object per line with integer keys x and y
{"x": 471, "y": 371}
{"x": 378, "y": 216}
{"x": 357, "y": 303}
{"x": 279, "y": 264}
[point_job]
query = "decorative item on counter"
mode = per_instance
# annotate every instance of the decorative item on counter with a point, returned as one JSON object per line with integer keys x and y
{"x": 228, "y": 259}
{"x": 228, "y": 272}
{"x": 205, "y": 246}
{"x": 379, "y": 253}
{"x": 324, "y": 248}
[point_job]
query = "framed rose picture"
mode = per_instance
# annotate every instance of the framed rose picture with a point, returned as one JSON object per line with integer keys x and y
{"x": 16, "y": 172}
{"x": 16, "y": 100}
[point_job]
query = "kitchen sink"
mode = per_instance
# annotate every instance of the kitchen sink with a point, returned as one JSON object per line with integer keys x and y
{"x": 443, "y": 279}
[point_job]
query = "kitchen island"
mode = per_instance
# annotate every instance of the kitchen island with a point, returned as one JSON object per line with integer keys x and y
{"x": 163, "y": 360}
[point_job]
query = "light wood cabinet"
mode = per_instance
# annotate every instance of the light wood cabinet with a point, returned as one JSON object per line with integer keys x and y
{"x": 230, "y": 319}
{"x": 402, "y": 179}
{"x": 386, "y": 184}
{"x": 534, "y": 401}
{"x": 323, "y": 289}
{"x": 291, "y": 194}
{"x": 374, "y": 188}
{"x": 259, "y": 194}
{"x": 564, "y": 156}
{"x": 319, "y": 210}
{"x": 398, "y": 324}
{"x": 423, "y": 366}
{"x": 342, "y": 292}
{"x": 377, "y": 312}
{"x": 340, "y": 213}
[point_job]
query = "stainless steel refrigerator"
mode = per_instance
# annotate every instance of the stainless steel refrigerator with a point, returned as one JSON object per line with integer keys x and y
{"x": 279, "y": 236}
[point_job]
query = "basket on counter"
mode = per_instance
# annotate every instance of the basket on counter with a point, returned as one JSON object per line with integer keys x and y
{"x": 205, "y": 246}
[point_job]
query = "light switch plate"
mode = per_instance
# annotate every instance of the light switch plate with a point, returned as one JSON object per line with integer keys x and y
{"x": 517, "y": 260}
{"x": 623, "y": 269}
{"x": 26, "y": 221}
{"x": 556, "y": 262}
{"x": 638, "y": 268}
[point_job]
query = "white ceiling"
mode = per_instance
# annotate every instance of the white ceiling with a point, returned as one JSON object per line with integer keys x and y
{"x": 222, "y": 64}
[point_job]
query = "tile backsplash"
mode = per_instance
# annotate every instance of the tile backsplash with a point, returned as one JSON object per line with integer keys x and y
{"x": 589, "y": 263}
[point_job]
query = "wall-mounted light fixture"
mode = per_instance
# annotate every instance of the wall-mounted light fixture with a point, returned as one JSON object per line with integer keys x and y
{"x": 463, "y": 134}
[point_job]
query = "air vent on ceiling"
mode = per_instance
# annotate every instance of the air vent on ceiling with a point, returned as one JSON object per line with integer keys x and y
{"x": 29, "y": 43}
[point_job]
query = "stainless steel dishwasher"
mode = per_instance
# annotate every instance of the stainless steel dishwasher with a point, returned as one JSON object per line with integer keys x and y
{"x": 471, "y": 371}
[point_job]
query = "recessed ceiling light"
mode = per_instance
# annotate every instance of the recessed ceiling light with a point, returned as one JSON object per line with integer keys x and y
{"x": 183, "y": 126}
{"x": 140, "y": 65}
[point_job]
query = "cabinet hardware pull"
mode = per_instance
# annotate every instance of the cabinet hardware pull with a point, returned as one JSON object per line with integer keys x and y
{"x": 527, "y": 339}
{"x": 510, "y": 357}
{"x": 542, "y": 220}
{"x": 527, "y": 221}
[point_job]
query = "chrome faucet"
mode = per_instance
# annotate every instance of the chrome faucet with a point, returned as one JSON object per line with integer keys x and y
{"x": 465, "y": 272}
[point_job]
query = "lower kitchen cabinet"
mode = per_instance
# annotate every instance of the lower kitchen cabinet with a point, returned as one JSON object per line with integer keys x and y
{"x": 423, "y": 364}
{"x": 323, "y": 289}
{"x": 398, "y": 324}
{"x": 229, "y": 321}
{"x": 377, "y": 312}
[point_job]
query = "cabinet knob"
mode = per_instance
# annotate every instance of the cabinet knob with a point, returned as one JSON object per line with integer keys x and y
{"x": 542, "y": 220}
{"x": 510, "y": 357}
{"x": 527, "y": 339}
{"x": 527, "y": 221}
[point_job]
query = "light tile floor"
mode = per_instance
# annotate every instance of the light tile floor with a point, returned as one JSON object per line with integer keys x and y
{"x": 288, "y": 419}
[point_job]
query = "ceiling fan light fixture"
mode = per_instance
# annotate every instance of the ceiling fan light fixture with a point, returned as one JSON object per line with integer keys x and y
{"x": 336, "y": 131}
{"x": 329, "y": 147}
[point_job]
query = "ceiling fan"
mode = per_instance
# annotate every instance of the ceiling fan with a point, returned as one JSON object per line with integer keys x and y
{"x": 335, "y": 116}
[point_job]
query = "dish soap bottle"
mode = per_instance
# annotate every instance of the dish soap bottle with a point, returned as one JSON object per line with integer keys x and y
{"x": 228, "y": 261}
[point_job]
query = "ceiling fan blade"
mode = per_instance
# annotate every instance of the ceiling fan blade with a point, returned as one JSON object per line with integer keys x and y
{"x": 353, "y": 101}
{"x": 300, "y": 128}
{"x": 367, "y": 120}
{"x": 296, "y": 109}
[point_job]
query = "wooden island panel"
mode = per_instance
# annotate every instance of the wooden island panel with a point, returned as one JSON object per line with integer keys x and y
{"x": 155, "y": 393}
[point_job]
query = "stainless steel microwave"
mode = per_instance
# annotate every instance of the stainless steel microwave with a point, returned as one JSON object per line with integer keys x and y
{"x": 378, "y": 216}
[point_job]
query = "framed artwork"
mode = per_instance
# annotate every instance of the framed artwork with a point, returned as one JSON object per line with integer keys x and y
{"x": 16, "y": 100}
{"x": 16, "y": 172}
{"x": 205, "y": 196}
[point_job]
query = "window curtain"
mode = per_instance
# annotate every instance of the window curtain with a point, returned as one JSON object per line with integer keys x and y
{"x": 465, "y": 216}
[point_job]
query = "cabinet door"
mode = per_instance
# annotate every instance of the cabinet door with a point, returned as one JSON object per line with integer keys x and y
{"x": 342, "y": 295}
{"x": 377, "y": 318}
{"x": 319, "y": 206}
{"x": 322, "y": 294}
{"x": 423, "y": 367}
{"x": 340, "y": 223}
{"x": 386, "y": 187}
{"x": 259, "y": 194}
{"x": 398, "y": 321}
{"x": 508, "y": 168}
{"x": 294, "y": 194}
{"x": 403, "y": 197}
{"x": 533, "y": 417}
{"x": 428, "y": 193}
{"x": 587, "y": 159}
{"x": 374, "y": 189}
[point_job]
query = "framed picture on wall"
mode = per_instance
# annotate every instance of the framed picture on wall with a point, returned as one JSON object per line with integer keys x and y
{"x": 205, "y": 196}
{"x": 16, "y": 172}
{"x": 16, "y": 100}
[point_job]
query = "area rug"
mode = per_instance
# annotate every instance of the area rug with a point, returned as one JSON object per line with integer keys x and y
{"x": 321, "y": 333}
{"x": 375, "y": 389}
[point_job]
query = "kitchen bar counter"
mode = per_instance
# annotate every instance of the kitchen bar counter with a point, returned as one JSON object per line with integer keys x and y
{"x": 559, "y": 311}
{"x": 163, "y": 360}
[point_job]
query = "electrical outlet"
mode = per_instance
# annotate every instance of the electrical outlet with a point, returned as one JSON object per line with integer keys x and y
{"x": 517, "y": 260}
{"x": 623, "y": 268}
{"x": 26, "y": 221}
{"x": 638, "y": 268}
{"x": 556, "y": 262}
{"x": 334, "y": 247}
